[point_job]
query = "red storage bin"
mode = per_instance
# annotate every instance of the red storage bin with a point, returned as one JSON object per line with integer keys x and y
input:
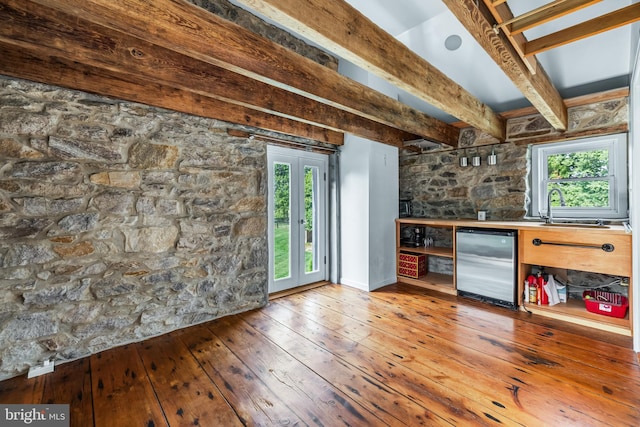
{"x": 606, "y": 303}
{"x": 413, "y": 266}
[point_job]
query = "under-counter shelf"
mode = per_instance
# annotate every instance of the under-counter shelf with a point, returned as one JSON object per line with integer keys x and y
{"x": 590, "y": 250}
{"x": 562, "y": 247}
{"x": 434, "y": 250}
{"x": 436, "y": 281}
{"x": 574, "y": 311}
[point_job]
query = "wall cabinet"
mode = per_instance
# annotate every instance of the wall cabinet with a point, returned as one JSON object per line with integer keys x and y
{"x": 597, "y": 250}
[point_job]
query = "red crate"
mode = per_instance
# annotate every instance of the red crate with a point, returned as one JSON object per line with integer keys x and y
{"x": 606, "y": 303}
{"x": 413, "y": 266}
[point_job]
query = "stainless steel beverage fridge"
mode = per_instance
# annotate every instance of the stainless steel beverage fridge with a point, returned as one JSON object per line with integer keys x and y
{"x": 486, "y": 267}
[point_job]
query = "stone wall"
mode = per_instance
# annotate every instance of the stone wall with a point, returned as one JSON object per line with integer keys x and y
{"x": 610, "y": 116}
{"x": 120, "y": 221}
{"x": 440, "y": 188}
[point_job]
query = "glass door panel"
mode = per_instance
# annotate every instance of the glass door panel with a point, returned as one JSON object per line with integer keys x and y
{"x": 311, "y": 218}
{"x": 297, "y": 218}
{"x": 282, "y": 220}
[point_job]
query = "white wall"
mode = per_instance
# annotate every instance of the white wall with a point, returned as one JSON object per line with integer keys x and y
{"x": 383, "y": 210}
{"x": 354, "y": 213}
{"x": 369, "y": 205}
{"x": 634, "y": 189}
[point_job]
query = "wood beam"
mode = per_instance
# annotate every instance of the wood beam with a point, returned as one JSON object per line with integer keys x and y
{"x": 183, "y": 27}
{"x": 76, "y": 39}
{"x": 615, "y": 19}
{"x": 32, "y": 64}
{"x": 609, "y": 95}
{"x": 543, "y": 15}
{"x": 502, "y": 14}
{"x": 537, "y": 88}
{"x": 340, "y": 28}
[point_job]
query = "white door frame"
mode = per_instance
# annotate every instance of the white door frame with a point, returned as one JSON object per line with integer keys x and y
{"x": 298, "y": 160}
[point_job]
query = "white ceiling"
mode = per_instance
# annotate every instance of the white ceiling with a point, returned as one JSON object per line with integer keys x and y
{"x": 591, "y": 65}
{"x": 598, "y": 63}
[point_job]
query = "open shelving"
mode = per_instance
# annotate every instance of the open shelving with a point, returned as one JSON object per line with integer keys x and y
{"x": 577, "y": 251}
{"x": 565, "y": 247}
{"x": 437, "y": 281}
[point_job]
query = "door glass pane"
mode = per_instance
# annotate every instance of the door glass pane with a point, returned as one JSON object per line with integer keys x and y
{"x": 282, "y": 220}
{"x": 311, "y": 219}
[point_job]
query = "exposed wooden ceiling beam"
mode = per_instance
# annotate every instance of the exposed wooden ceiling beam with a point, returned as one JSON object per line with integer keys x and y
{"x": 502, "y": 14}
{"x": 615, "y": 19}
{"x": 78, "y": 40}
{"x": 543, "y": 15}
{"x": 31, "y": 64}
{"x": 343, "y": 30}
{"x": 537, "y": 88}
{"x": 195, "y": 32}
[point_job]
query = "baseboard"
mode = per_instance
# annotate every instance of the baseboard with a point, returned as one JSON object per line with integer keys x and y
{"x": 355, "y": 284}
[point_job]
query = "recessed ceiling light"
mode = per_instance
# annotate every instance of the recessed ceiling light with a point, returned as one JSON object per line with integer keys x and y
{"x": 453, "y": 42}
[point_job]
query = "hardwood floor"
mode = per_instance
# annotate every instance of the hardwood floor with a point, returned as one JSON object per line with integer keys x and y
{"x": 338, "y": 356}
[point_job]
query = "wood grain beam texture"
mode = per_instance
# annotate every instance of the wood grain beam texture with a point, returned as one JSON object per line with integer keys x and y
{"x": 610, "y": 21}
{"x": 185, "y": 28}
{"x": 342, "y": 29}
{"x": 66, "y": 52}
{"x": 33, "y": 64}
{"x": 502, "y": 14}
{"x": 537, "y": 88}
{"x": 80, "y": 41}
{"x": 543, "y": 15}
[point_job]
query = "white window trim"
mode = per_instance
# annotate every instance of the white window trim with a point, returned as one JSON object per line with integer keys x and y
{"x": 618, "y": 182}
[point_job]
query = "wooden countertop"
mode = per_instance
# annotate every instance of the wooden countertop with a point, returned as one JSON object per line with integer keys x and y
{"x": 512, "y": 225}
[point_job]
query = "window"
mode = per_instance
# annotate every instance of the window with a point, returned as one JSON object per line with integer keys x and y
{"x": 590, "y": 173}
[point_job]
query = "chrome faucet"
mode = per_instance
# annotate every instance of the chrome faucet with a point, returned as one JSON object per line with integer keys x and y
{"x": 549, "y": 218}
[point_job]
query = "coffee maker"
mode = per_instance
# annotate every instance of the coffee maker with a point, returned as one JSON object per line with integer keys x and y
{"x": 418, "y": 236}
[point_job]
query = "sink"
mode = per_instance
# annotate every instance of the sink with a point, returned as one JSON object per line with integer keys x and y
{"x": 573, "y": 224}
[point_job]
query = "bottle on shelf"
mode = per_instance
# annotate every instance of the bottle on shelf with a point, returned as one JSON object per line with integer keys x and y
{"x": 543, "y": 298}
{"x": 533, "y": 289}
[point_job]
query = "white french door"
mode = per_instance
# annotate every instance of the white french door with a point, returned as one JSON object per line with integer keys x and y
{"x": 297, "y": 217}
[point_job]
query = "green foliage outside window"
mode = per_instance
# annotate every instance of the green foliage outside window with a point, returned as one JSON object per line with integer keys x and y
{"x": 308, "y": 198}
{"x": 281, "y": 176}
{"x": 582, "y": 177}
{"x": 282, "y": 184}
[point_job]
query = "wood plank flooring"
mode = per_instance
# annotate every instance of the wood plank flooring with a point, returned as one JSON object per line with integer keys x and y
{"x": 334, "y": 356}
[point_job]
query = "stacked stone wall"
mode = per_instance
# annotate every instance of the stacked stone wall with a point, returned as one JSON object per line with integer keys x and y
{"x": 119, "y": 222}
{"x": 440, "y": 188}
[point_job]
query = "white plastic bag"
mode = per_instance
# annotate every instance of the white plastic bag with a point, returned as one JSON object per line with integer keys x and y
{"x": 552, "y": 291}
